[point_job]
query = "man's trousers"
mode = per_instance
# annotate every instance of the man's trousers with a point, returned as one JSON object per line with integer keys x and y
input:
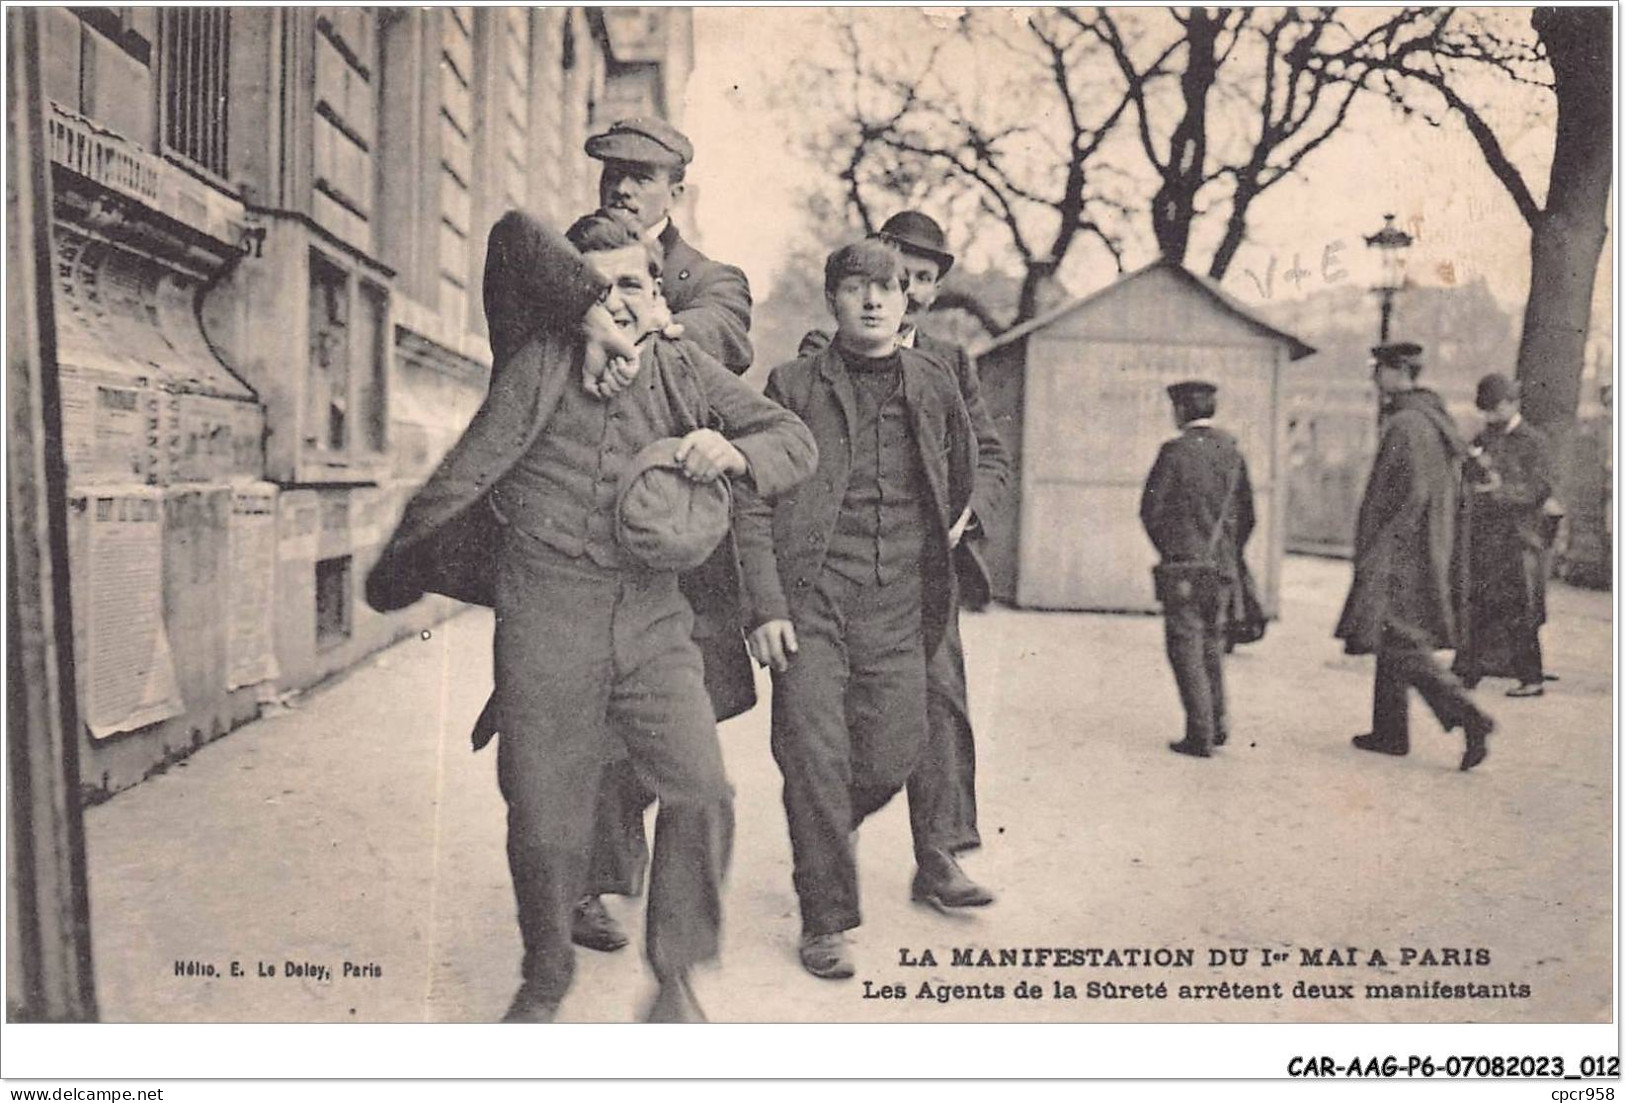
{"x": 1402, "y": 663}
{"x": 1193, "y": 633}
{"x": 849, "y": 724}
{"x": 941, "y": 791}
{"x": 579, "y": 649}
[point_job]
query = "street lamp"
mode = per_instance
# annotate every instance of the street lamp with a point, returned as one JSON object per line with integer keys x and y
{"x": 1390, "y": 243}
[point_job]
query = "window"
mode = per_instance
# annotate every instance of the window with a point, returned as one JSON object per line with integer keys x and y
{"x": 345, "y": 417}
{"x": 196, "y": 46}
{"x": 332, "y": 601}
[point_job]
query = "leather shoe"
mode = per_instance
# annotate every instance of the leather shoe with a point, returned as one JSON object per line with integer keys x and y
{"x": 1371, "y": 742}
{"x": 1527, "y": 689}
{"x": 675, "y": 1002}
{"x": 826, "y": 955}
{"x": 531, "y": 1006}
{"x": 1191, "y": 747}
{"x": 593, "y": 927}
{"x": 1478, "y": 750}
{"x": 1221, "y": 737}
{"x": 940, "y": 881}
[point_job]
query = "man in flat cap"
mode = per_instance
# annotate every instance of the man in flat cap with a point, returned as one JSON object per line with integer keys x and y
{"x": 1197, "y": 508}
{"x": 1507, "y": 555}
{"x": 593, "y": 642}
{"x": 1401, "y": 606}
{"x": 644, "y": 164}
{"x": 942, "y": 789}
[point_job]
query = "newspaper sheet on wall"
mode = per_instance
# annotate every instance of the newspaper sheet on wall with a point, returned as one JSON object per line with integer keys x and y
{"x": 130, "y": 672}
{"x": 250, "y": 629}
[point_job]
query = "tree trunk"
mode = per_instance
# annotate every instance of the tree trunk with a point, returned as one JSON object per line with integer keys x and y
{"x": 1039, "y": 290}
{"x": 1174, "y": 207}
{"x": 1567, "y": 237}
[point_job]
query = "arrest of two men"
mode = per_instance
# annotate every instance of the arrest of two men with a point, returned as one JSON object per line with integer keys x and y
{"x": 645, "y": 524}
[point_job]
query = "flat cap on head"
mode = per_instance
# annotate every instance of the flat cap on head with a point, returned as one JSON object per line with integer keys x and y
{"x": 1399, "y": 354}
{"x": 1188, "y": 389}
{"x": 1495, "y": 389}
{"x": 918, "y": 232}
{"x": 645, "y": 140}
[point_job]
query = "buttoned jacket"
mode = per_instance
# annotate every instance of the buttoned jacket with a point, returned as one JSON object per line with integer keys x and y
{"x": 782, "y": 542}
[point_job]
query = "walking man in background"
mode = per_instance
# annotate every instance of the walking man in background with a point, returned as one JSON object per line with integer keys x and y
{"x": 1402, "y": 604}
{"x": 1197, "y": 508}
{"x": 1510, "y": 522}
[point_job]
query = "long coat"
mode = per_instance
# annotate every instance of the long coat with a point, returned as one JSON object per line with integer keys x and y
{"x": 1405, "y": 568}
{"x": 712, "y": 301}
{"x": 1185, "y": 496}
{"x": 1507, "y": 587}
{"x": 782, "y": 545}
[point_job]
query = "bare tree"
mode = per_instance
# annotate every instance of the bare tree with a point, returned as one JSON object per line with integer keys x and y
{"x": 1222, "y": 103}
{"x": 1022, "y": 160}
{"x": 1447, "y": 62}
{"x": 1230, "y": 102}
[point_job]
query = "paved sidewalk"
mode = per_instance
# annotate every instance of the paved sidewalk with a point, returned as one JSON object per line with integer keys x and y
{"x": 358, "y": 830}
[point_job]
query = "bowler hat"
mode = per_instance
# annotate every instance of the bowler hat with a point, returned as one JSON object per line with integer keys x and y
{"x": 1188, "y": 389}
{"x": 1399, "y": 354}
{"x": 645, "y": 140}
{"x": 665, "y": 520}
{"x": 916, "y": 232}
{"x": 1495, "y": 389}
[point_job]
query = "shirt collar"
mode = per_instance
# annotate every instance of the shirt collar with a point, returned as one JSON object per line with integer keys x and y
{"x": 906, "y": 335}
{"x": 1512, "y": 423}
{"x": 653, "y": 232}
{"x": 1198, "y": 423}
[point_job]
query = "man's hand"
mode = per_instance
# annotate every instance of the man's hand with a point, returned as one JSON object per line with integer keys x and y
{"x": 706, "y": 454}
{"x": 957, "y": 533}
{"x": 610, "y": 360}
{"x": 773, "y": 643}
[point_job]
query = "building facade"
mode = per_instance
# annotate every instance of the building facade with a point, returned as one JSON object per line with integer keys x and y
{"x": 268, "y": 235}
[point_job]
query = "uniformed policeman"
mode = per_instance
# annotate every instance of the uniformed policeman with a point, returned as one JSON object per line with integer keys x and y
{"x": 1197, "y": 508}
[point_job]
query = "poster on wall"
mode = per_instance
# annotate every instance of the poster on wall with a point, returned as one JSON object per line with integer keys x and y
{"x": 250, "y": 629}
{"x": 129, "y": 671}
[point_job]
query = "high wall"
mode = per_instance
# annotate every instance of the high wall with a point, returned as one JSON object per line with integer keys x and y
{"x": 269, "y": 232}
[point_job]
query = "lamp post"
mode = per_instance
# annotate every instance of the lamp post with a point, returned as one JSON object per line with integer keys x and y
{"x": 1390, "y": 243}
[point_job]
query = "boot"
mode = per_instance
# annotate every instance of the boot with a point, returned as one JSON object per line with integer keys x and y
{"x": 939, "y": 881}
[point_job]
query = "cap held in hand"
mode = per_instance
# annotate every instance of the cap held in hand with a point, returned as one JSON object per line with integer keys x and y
{"x": 665, "y": 520}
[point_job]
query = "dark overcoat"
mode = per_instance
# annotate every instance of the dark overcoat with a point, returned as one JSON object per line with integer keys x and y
{"x": 710, "y": 299}
{"x": 1405, "y": 569}
{"x": 782, "y": 545}
{"x": 1185, "y": 495}
{"x": 1508, "y": 557}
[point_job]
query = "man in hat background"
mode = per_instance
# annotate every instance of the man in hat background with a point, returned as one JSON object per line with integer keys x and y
{"x": 593, "y": 636}
{"x": 1401, "y": 606}
{"x": 645, "y": 161}
{"x": 848, "y": 583}
{"x": 1507, "y": 555}
{"x": 942, "y": 789}
{"x": 1197, "y": 507}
